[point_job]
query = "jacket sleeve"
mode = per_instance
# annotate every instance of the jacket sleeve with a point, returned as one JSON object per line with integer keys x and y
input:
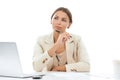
{"x": 41, "y": 59}
{"x": 83, "y": 59}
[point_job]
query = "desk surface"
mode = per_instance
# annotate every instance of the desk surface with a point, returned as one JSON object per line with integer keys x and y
{"x": 71, "y": 76}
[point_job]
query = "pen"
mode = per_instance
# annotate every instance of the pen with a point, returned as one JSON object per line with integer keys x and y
{"x": 57, "y": 59}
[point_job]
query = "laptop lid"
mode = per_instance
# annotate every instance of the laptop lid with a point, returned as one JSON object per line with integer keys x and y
{"x": 10, "y": 65}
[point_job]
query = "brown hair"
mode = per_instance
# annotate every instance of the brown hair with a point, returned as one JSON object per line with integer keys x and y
{"x": 64, "y": 10}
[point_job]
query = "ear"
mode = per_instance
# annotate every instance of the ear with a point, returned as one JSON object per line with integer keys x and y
{"x": 51, "y": 21}
{"x": 69, "y": 26}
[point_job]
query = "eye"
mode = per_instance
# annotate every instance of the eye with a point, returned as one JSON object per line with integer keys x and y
{"x": 64, "y": 20}
{"x": 56, "y": 18}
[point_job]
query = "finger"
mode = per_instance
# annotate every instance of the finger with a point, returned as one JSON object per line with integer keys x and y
{"x": 68, "y": 35}
{"x": 65, "y": 39}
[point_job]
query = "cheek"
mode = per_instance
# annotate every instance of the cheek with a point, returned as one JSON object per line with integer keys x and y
{"x": 65, "y": 25}
{"x": 53, "y": 22}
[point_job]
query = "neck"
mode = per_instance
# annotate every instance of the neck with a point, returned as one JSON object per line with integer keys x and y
{"x": 55, "y": 36}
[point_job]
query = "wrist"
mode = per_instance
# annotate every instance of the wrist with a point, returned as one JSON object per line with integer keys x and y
{"x": 64, "y": 68}
{"x": 52, "y": 50}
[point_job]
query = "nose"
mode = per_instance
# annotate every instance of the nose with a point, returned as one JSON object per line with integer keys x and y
{"x": 59, "y": 22}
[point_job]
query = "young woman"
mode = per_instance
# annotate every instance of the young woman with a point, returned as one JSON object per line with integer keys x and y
{"x": 60, "y": 50}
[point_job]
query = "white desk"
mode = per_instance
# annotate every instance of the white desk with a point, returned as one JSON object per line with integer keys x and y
{"x": 71, "y": 76}
{"x": 4, "y": 78}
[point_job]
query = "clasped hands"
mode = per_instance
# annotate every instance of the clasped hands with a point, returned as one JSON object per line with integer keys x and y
{"x": 58, "y": 47}
{"x": 59, "y": 68}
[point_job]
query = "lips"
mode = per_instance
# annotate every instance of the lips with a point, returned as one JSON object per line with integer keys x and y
{"x": 58, "y": 27}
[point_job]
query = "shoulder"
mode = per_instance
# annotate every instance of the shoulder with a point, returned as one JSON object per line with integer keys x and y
{"x": 44, "y": 38}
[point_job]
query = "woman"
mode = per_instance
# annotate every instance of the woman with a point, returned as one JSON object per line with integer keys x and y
{"x": 60, "y": 50}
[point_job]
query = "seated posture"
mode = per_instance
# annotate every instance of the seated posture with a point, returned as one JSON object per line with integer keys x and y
{"x": 60, "y": 50}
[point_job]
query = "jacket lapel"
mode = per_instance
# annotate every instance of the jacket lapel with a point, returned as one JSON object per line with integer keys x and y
{"x": 70, "y": 45}
{"x": 49, "y": 39}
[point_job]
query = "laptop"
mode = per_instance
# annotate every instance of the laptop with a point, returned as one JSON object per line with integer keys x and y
{"x": 10, "y": 65}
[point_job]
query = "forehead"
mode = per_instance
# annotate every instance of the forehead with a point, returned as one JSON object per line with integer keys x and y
{"x": 61, "y": 14}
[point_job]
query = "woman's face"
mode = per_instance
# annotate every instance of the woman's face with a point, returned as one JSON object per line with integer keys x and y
{"x": 60, "y": 21}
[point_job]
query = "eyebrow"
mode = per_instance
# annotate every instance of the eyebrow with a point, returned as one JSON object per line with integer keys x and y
{"x": 62, "y": 17}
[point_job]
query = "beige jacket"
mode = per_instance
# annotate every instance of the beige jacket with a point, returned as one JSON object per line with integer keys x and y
{"x": 77, "y": 57}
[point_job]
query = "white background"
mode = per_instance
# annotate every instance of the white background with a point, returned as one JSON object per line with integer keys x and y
{"x": 96, "y": 21}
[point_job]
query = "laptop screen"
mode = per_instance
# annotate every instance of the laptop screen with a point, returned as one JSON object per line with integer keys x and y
{"x": 9, "y": 59}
